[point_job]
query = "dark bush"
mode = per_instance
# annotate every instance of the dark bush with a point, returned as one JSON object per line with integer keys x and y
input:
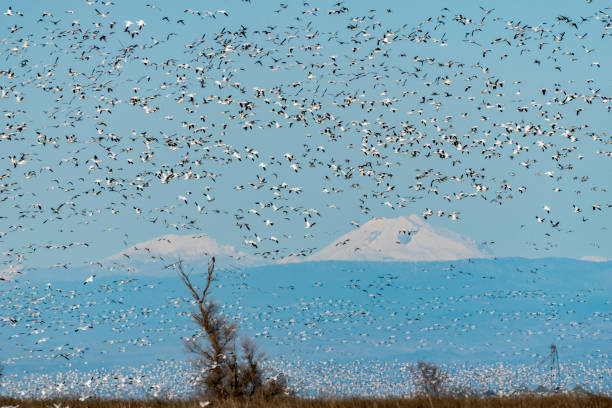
{"x": 429, "y": 380}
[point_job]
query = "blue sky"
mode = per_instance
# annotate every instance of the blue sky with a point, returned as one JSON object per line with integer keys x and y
{"x": 113, "y": 198}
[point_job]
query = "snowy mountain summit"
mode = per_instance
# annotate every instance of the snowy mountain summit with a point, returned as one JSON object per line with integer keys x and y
{"x": 380, "y": 239}
{"x": 399, "y": 239}
{"x": 171, "y": 247}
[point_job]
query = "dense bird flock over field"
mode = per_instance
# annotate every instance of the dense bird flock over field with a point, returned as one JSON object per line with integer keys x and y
{"x": 276, "y": 128}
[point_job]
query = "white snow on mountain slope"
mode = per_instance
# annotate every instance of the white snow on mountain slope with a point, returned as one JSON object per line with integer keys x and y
{"x": 380, "y": 239}
{"x": 595, "y": 258}
{"x": 398, "y": 239}
{"x": 169, "y": 248}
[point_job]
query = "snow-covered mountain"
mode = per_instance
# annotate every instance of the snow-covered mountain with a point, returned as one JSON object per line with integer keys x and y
{"x": 171, "y": 247}
{"x": 398, "y": 239}
{"x": 380, "y": 239}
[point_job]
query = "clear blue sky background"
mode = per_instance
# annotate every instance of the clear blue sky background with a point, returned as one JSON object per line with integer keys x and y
{"x": 508, "y": 226}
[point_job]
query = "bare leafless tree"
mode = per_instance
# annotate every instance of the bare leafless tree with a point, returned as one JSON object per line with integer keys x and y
{"x": 225, "y": 372}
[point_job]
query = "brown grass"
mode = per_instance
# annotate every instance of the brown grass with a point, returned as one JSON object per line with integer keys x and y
{"x": 555, "y": 401}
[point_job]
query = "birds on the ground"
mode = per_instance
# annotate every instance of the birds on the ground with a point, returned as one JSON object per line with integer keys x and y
{"x": 359, "y": 312}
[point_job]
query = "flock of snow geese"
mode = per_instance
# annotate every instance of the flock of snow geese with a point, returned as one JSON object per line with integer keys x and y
{"x": 113, "y": 121}
{"x": 328, "y": 330}
{"x": 369, "y": 379}
{"x": 274, "y": 129}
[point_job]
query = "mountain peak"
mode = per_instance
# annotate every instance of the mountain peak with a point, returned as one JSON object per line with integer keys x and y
{"x": 185, "y": 247}
{"x": 399, "y": 239}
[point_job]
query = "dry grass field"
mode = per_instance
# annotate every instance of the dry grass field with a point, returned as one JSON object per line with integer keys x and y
{"x": 555, "y": 401}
